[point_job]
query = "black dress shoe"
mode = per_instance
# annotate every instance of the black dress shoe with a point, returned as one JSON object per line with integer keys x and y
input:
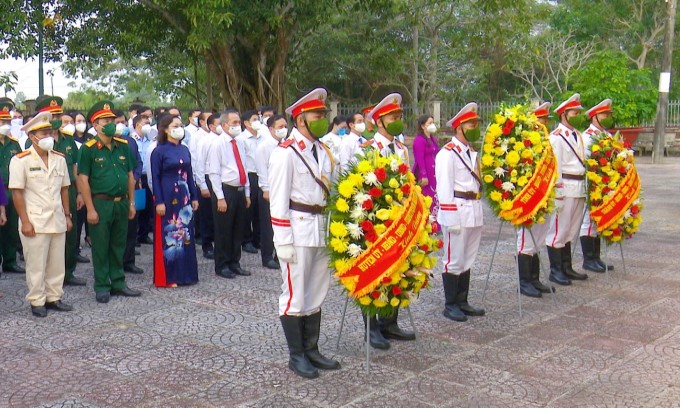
{"x": 209, "y": 254}
{"x": 75, "y": 281}
{"x": 453, "y": 312}
{"x": 102, "y": 297}
{"x": 470, "y": 310}
{"x": 39, "y": 311}
{"x": 59, "y": 305}
{"x": 82, "y": 259}
{"x": 137, "y": 253}
{"x": 133, "y": 269}
{"x": 249, "y": 248}
{"x": 126, "y": 292}
{"x": 271, "y": 264}
{"x": 145, "y": 240}
{"x": 13, "y": 268}
{"x": 225, "y": 273}
{"x": 238, "y": 270}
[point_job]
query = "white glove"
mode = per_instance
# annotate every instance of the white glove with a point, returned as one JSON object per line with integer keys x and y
{"x": 453, "y": 229}
{"x": 286, "y": 253}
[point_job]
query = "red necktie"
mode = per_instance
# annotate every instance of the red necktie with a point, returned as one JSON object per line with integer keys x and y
{"x": 239, "y": 164}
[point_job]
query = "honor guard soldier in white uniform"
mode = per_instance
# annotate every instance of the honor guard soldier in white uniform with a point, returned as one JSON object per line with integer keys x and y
{"x": 567, "y": 144}
{"x": 527, "y": 253}
{"x": 387, "y": 117}
{"x": 299, "y": 177}
{"x": 600, "y": 121}
{"x": 39, "y": 181}
{"x": 460, "y": 213}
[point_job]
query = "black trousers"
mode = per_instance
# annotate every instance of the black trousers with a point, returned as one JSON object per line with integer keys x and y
{"x": 266, "y": 231}
{"x": 252, "y": 232}
{"x": 205, "y": 219}
{"x": 129, "y": 254}
{"x": 147, "y": 215}
{"x": 81, "y": 218}
{"x": 229, "y": 228}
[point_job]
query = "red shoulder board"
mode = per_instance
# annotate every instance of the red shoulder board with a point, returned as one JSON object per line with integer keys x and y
{"x": 590, "y": 131}
{"x": 58, "y": 153}
{"x": 23, "y": 154}
{"x": 366, "y": 144}
{"x": 449, "y": 146}
{"x": 287, "y": 143}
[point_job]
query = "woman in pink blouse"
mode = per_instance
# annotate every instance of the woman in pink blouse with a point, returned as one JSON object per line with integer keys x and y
{"x": 425, "y": 148}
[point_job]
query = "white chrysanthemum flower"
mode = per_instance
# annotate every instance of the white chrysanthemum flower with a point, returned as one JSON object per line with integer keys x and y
{"x": 394, "y": 165}
{"x": 354, "y": 230}
{"x": 358, "y": 213}
{"x": 359, "y": 198}
{"x": 499, "y": 171}
{"x": 371, "y": 179}
{"x": 507, "y": 186}
{"x": 354, "y": 250}
{"x": 504, "y": 147}
{"x": 627, "y": 214}
{"x": 622, "y": 155}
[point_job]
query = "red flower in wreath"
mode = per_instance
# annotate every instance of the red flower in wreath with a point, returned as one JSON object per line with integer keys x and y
{"x": 375, "y": 192}
{"x": 386, "y": 280}
{"x": 403, "y": 168}
{"x": 367, "y": 205}
{"x": 381, "y": 174}
{"x": 371, "y": 236}
{"x": 375, "y": 294}
{"x": 498, "y": 183}
{"x": 396, "y": 290}
{"x": 406, "y": 189}
{"x": 604, "y": 161}
{"x": 507, "y": 128}
{"x": 366, "y": 226}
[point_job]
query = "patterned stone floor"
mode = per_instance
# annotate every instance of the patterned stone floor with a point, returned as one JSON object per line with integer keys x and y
{"x": 610, "y": 341}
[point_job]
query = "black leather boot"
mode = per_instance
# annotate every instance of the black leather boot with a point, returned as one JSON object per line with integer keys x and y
{"x": 375, "y": 337}
{"x": 391, "y": 330}
{"x": 536, "y": 276}
{"x": 451, "y": 309}
{"x": 589, "y": 258}
{"x": 596, "y": 245}
{"x": 526, "y": 286}
{"x": 298, "y": 362}
{"x": 311, "y": 326}
{"x": 556, "y": 272}
{"x": 567, "y": 266}
{"x": 463, "y": 289}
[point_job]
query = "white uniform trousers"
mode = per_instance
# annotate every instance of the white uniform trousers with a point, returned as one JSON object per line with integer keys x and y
{"x": 305, "y": 283}
{"x": 525, "y": 245}
{"x": 588, "y": 227}
{"x": 45, "y": 267}
{"x": 565, "y": 222}
{"x": 460, "y": 250}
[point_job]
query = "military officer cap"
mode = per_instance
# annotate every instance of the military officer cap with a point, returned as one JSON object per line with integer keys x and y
{"x": 391, "y": 103}
{"x": 542, "y": 110}
{"x": 103, "y": 109}
{"x": 574, "y": 102}
{"x": 468, "y": 113}
{"x": 40, "y": 121}
{"x": 365, "y": 111}
{"x": 5, "y": 109}
{"x": 313, "y": 101}
{"x": 604, "y": 106}
{"x": 48, "y": 103}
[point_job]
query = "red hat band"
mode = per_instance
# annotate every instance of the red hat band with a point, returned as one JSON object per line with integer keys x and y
{"x": 464, "y": 118}
{"x": 541, "y": 113}
{"x": 600, "y": 110}
{"x": 570, "y": 105}
{"x": 389, "y": 108}
{"x": 314, "y": 104}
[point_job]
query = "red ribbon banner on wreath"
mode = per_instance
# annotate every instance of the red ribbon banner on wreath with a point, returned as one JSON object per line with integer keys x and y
{"x": 613, "y": 207}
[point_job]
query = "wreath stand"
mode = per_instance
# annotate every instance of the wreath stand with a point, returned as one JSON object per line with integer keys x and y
{"x": 368, "y": 330}
{"x": 493, "y": 256}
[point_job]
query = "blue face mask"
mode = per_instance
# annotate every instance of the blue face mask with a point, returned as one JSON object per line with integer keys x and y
{"x": 342, "y": 132}
{"x": 126, "y": 132}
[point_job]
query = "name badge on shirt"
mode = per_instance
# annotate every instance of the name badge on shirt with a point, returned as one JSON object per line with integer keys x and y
{"x": 34, "y": 169}
{"x": 122, "y": 157}
{"x": 99, "y": 159}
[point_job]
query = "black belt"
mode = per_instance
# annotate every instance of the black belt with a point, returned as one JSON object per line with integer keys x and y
{"x": 307, "y": 208}
{"x": 234, "y": 188}
{"x": 109, "y": 198}
{"x": 467, "y": 195}
{"x": 573, "y": 176}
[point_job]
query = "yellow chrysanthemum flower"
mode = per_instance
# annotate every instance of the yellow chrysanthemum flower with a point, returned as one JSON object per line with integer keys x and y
{"x": 404, "y": 303}
{"x": 403, "y": 283}
{"x": 394, "y": 302}
{"x": 342, "y": 265}
{"x": 518, "y": 146}
{"x": 338, "y": 229}
{"x": 380, "y": 229}
{"x": 535, "y": 138}
{"x": 495, "y": 196}
{"x": 494, "y": 131}
{"x": 499, "y": 119}
{"x": 488, "y": 178}
{"x": 346, "y": 188}
{"x": 487, "y": 160}
{"x": 512, "y": 158}
{"x": 522, "y": 181}
{"x": 506, "y": 205}
{"x": 364, "y": 167}
{"x": 389, "y": 199}
{"x": 339, "y": 245}
{"x": 379, "y": 303}
{"x": 499, "y": 151}
{"x": 527, "y": 154}
{"x": 428, "y": 201}
{"x": 356, "y": 179}
{"x": 365, "y": 300}
{"x": 488, "y": 148}
{"x": 416, "y": 257}
{"x": 383, "y": 214}
{"x": 393, "y": 183}
{"x": 513, "y": 173}
{"x": 342, "y": 205}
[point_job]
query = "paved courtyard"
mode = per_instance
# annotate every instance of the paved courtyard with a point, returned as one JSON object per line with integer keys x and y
{"x": 609, "y": 341}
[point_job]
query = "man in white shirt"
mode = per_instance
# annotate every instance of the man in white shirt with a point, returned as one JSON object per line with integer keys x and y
{"x": 278, "y": 130}
{"x": 250, "y": 137}
{"x": 193, "y": 125}
{"x": 333, "y": 139}
{"x": 210, "y": 130}
{"x": 231, "y": 195}
{"x": 351, "y": 144}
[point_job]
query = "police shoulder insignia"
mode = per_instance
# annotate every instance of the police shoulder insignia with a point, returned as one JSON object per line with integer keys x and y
{"x": 23, "y": 154}
{"x": 449, "y": 146}
{"x": 58, "y": 153}
{"x": 118, "y": 139}
{"x": 287, "y": 143}
{"x": 91, "y": 142}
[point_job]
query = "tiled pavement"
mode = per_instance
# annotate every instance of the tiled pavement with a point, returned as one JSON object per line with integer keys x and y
{"x": 608, "y": 342}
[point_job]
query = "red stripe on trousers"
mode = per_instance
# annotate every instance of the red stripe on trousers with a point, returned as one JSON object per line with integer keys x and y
{"x": 557, "y": 228}
{"x": 448, "y": 254}
{"x": 290, "y": 291}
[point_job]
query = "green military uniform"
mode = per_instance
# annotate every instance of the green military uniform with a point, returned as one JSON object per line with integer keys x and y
{"x": 108, "y": 170}
{"x": 9, "y": 233}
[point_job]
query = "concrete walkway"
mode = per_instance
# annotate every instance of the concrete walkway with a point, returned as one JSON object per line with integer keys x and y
{"x": 609, "y": 341}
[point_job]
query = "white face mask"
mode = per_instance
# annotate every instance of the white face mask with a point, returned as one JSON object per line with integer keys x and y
{"x": 46, "y": 144}
{"x": 177, "y": 133}
{"x": 146, "y": 129}
{"x": 17, "y": 122}
{"x": 195, "y": 121}
{"x": 80, "y": 127}
{"x": 119, "y": 129}
{"x": 4, "y": 129}
{"x": 360, "y": 127}
{"x": 234, "y": 130}
{"x": 220, "y": 130}
{"x": 68, "y": 130}
{"x": 256, "y": 125}
{"x": 281, "y": 133}
{"x": 431, "y": 128}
